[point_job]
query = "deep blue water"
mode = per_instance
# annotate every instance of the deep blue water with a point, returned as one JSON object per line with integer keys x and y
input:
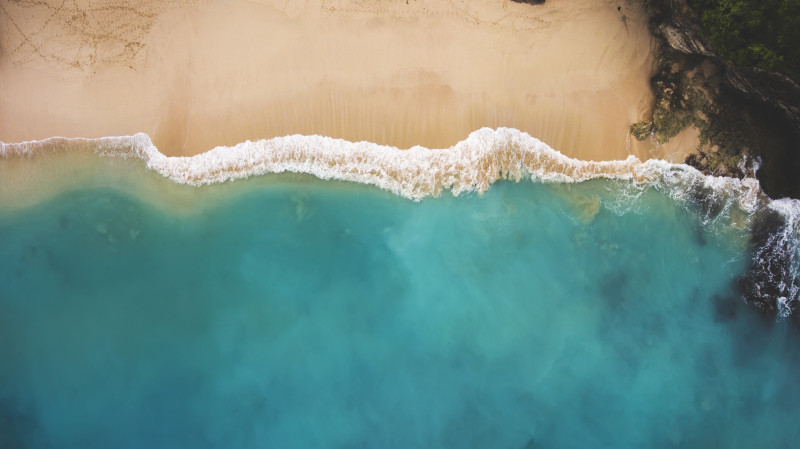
{"x": 331, "y": 315}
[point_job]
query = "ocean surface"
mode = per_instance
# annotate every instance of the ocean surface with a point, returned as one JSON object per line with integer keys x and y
{"x": 286, "y": 311}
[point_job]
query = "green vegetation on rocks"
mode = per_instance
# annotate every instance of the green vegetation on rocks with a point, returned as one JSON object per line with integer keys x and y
{"x": 757, "y": 33}
{"x": 688, "y": 93}
{"x": 642, "y": 130}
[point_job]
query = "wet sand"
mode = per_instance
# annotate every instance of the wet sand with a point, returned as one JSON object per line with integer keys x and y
{"x": 196, "y": 75}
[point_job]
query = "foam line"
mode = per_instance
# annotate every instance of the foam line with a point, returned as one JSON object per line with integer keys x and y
{"x": 471, "y": 165}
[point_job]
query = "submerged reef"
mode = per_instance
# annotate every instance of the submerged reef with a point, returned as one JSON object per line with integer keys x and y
{"x": 748, "y": 118}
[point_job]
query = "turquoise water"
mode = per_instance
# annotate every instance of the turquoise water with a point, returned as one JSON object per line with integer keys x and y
{"x": 331, "y": 315}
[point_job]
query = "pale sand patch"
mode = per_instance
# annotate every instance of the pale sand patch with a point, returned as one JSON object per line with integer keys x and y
{"x": 572, "y": 73}
{"x": 679, "y": 147}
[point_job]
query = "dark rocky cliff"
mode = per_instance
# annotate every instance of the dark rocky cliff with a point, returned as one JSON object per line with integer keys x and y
{"x": 747, "y": 117}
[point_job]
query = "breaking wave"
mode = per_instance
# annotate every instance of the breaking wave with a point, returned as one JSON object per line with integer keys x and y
{"x": 486, "y": 156}
{"x": 473, "y": 164}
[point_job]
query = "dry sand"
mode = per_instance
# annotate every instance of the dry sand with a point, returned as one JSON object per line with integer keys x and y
{"x": 195, "y": 75}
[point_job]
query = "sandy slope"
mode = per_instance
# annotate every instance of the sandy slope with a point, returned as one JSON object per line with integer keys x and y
{"x": 194, "y": 75}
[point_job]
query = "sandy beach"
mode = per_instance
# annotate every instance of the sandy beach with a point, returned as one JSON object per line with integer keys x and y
{"x": 196, "y": 75}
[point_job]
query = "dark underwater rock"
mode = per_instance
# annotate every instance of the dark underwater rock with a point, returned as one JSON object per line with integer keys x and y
{"x": 725, "y": 308}
{"x": 531, "y": 444}
{"x": 530, "y": 2}
{"x": 18, "y": 429}
{"x": 708, "y": 203}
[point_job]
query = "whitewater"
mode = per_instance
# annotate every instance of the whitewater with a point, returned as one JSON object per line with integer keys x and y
{"x": 471, "y": 165}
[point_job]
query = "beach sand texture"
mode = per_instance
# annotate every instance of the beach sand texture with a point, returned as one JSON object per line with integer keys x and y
{"x": 195, "y": 75}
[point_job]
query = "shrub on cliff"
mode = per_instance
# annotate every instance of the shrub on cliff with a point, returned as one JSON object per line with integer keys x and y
{"x": 760, "y": 33}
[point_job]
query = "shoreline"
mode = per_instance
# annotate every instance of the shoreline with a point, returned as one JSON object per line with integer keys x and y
{"x": 472, "y": 165}
{"x": 573, "y": 74}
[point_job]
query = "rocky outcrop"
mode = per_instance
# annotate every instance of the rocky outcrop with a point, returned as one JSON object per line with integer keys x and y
{"x": 749, "y": 123}
{"x": 773, "y": 89}
{"x": 749, "y": 119}
{"x": 769, "y": 284}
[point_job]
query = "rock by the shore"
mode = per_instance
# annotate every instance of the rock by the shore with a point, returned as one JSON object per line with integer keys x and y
{"x": 749, "y": 119}
{"x": 769, "y": 283}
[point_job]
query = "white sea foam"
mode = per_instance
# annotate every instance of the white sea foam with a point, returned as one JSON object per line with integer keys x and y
{"x": 779, "y": 258}
{"x": 471, "y": 165}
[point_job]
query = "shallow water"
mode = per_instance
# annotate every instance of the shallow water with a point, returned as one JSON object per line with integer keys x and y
{"x": 308, "y": 314}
